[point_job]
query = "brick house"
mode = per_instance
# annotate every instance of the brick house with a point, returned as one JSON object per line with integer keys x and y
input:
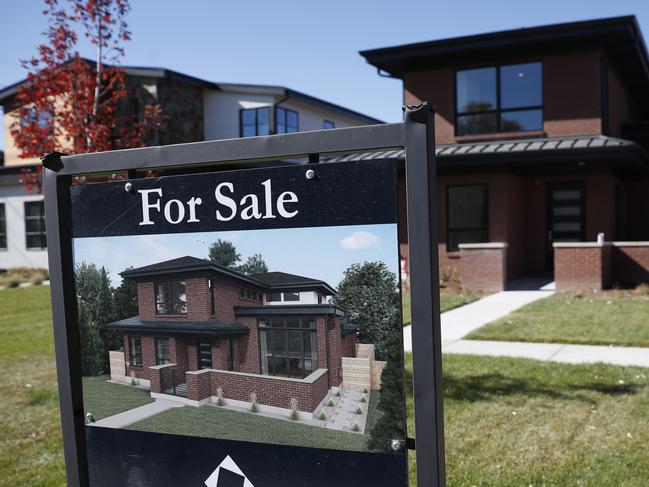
{"x": 203, "y": 328}
{"x": 541, "y": 147}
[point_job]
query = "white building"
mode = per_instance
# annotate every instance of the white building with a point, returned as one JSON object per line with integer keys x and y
{"x": 196, "y": 109}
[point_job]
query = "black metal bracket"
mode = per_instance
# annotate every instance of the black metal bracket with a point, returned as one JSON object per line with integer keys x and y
{"x": 52, "y": 161}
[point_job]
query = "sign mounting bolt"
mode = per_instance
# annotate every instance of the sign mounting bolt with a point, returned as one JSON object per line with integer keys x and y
{"x": 395, "y": 445}
{"x": 310, "y": 173}
{"x": 128, "y": 187}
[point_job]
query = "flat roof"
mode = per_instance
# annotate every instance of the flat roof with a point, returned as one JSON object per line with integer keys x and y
{"x": 135, "y": 325}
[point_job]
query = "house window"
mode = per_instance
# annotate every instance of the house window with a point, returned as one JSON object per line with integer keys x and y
{"x": 230, "y": 353}
{"x": 328, "y": 124}
{"x": 273, "y": 297}
{"x": 35, "y": 225}
{"x": 291, "y": 296}
{"x": 288, "y": 346}
{"x": 254, "y": 121}
{"x": 162, "y": 351}
{"x": 38, "y": 118}
{"x": 135, "y": 350}
{"x": 212, "y": 297}
{"x": 467, "y": 215}
{"x": 286, "y": 121}
{"x": 3, "y": 227}
{"x": 171, "y": 298}
{"x": 499, "y": 99}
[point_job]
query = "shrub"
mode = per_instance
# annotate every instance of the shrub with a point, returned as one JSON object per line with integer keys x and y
{"x": 331, "y": 403}
{"x": 219, "y": 397}
{"x": 295, "y": 414}
{"x": 14, "y": 281}
{"x": 642, "y": 289}
{"x": 359, "y": 410}
{"x": 365, "y": 390}
{"x": 363, "y": 399}
{"x": 253, "y": 403}
{"x": 338, "y": 393}
{"x": 323, "y": 416}
{"x": 356, "y": 428}
{"x": 37, "y": 279}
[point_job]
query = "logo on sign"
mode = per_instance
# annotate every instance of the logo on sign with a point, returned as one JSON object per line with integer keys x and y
{"x": 228, "y": 474}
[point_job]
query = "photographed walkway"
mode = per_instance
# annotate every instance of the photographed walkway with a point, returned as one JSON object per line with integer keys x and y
{"x": 459, "y": 322}
{"x": 131, "y": 416}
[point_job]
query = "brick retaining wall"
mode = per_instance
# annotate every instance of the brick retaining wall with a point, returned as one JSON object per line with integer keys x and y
{"x": 582, "y": 265}
{"x": 483, "y": 267}
{"x": 630, "y": 262}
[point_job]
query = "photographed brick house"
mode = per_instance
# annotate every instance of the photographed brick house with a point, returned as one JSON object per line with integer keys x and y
{"x": 203, "y": 328}
{"x": 541, "y": 147}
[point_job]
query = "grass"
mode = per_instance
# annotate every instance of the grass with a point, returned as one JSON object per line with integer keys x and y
{"x": 606, "y": 320}
{"x": 574, "y": 425}
{"x": 31, "y": 453}
{"x": 103, "y": 399}
{"x": 447, "y": 301}
{"x": 213, "y": 422}
{"x": 515, "y": 422}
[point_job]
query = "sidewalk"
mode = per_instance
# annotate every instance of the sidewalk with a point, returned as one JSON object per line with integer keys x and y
{"x": 459, "y": 322}
{"x": 131, "y": 416}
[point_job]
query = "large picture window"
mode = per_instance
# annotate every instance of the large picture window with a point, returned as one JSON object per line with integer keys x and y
{"x": 289, "y": 347}
{"x": 467, "y": 215}
{"x": 254, "y": 121}
{"x": 170, "y": 298}
{"x": 35, "y": 225}
{"x": 135, "y": 350}
{"x": 3, "y": 227}
{"x": 162, "y": 351}
{"x": 499, "y": 99}
{"x": 286, "y": 121}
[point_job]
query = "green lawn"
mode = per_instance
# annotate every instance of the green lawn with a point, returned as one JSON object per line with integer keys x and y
{"x": 509, "y": 422}
{"x": 573, "y": 319}
{"x": 446, "y": 300}
{"x": 214, "y": 422}
{"x": 103, "y": 399}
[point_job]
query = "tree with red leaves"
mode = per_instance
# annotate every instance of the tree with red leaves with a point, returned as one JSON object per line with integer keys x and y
{"x": 70, "y": 104}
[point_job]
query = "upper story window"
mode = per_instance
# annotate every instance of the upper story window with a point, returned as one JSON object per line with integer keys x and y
{"x": 286, "y": 121}
{"x": 328, "y": 124}
{"x": 494, "y": 99}
{"x": 254, "y": 121}
{"x": 467, "y": 215}
{"x": 35, "y": 225}
{"x": 170, "y": 298}
{"x": 212, "y": 290}
{"x": 3, "y": 228}
{"x": 40, "y": 118}
{"x": 283, "y": 296}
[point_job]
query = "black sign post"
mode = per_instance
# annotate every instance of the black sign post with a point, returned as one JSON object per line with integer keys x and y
{"x": 180, "y": 204}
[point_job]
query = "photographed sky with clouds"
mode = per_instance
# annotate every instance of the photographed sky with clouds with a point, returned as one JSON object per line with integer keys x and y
{"x": 319, "y": 252}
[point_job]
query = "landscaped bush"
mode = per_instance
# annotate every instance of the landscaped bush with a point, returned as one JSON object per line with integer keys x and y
{"x": 642, "y": 289}
{"x": 17, "y": 275}
{"x": 37, "y": 279}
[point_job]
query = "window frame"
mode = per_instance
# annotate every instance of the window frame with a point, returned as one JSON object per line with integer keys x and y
{"x": 131, "y": 350}
{"x": 42, "y": 231}
{"x": 498, "y": 111}
{"x": 330, "y": 122}
{"x": 485, "y": 215}
{"x": 167, "y": 282}
{"x": 157, "y": 350}
{"x": 256, "y": 111}
{"x": 212, "y": 288}
{"x": 286, "y": 111}
{"x": 268, "y": 330}
{"x": 4, "y": 245}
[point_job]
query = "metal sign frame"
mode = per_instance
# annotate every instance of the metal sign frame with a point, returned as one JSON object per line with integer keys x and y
{"x": 415, "y": 135}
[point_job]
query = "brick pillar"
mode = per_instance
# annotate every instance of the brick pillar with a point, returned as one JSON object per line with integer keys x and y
{"x": 483, "y": 266}
{"x": 582, "y": 265}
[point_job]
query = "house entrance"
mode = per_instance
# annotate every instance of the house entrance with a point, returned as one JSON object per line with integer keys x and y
{"x": 565, "y": 215}
{"x": 204, "y": 354}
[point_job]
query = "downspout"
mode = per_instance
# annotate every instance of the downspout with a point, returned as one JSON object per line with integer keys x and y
{"x": 275, "y": 105}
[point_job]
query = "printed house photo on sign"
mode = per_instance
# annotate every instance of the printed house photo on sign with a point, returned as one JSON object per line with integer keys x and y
{"x": 286, "y": 336}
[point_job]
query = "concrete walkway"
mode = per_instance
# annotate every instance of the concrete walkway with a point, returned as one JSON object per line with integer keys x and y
{"x": 459, "y": 322}
{"x": 131, "y": 416}
{"x": 553, "y": 352}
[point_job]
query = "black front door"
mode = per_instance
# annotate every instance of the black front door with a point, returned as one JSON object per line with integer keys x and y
{"x": 565, "y": 215}
{"x": 204, "y": 353}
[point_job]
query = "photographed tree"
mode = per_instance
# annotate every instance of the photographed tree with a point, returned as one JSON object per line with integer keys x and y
{"x": 369, "y": 294}
{"x": 253, "y": 265}
{"x": 224, "y": 253}
{"x": 70, "y": 104}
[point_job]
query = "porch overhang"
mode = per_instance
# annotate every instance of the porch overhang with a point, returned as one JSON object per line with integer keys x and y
{"x": 135, "y": 325}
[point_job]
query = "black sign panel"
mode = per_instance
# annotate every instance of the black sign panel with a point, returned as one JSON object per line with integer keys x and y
{"x": 354, "y": 193}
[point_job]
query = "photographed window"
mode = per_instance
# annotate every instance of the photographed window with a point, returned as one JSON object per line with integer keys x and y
{"x": 230, "y": 353}
{"x": 212, "y": 297}
{"x": 135, "y": 350}
{"x": 291, "y": 296}
{"x": 328, "y": 124}
{"x": 254, "y": 121}
{"x": 3, "y": 227}
{"x": 467, "y": 215}
{"x": 494, "y": 99}
{"x": 286, "y": 121}
{"x": 39, "y": 118}
{"x": 162, "y": 351}
{"x": 272, "y": 297}
{"x": 171, "y": 298}
{"x": 35, "y": 225}
{"x": 289, "y": 347}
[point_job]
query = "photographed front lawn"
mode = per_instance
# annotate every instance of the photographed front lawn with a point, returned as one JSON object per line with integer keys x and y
{"x": 103, "y": 399}
{"x": 216, "y": 422}
{"x": 595, "y": 320}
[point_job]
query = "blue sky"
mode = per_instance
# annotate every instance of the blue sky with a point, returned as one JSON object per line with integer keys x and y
{"x": 308, "y": 46}
{"x": 321, "y": 252}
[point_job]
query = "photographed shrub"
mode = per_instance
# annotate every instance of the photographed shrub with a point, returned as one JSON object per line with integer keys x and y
{"x": 253, "y": 403}
{"x": 331, "y": 403}
{"x": 322, "y": 416}
{"x": 363, "y": 399}
{"x": 219, "y": 397}
{"x": 359, "y": 410}
{"x": 37, "y": 279}
{"x": 642, "y": 289}
{"x": 356, "y": 428}
{"x": 295, "y": 414}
